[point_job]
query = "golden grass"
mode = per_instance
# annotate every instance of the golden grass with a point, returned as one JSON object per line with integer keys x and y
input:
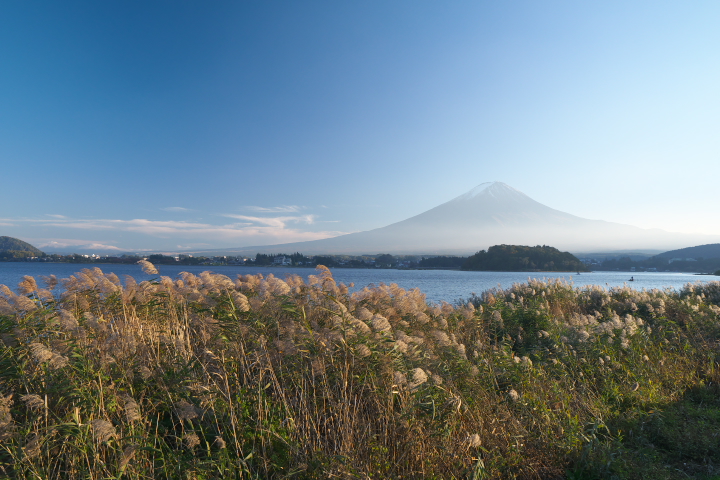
{"x": 208, "y": 377}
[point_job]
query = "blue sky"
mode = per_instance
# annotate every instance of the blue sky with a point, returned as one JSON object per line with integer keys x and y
{"x": 167, "y": 125}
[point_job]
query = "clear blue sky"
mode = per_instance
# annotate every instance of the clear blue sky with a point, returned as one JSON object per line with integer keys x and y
{"x": 174, "y": 124}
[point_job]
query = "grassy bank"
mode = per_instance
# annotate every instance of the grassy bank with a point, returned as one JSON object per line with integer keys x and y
{"x": 208, "y": 377}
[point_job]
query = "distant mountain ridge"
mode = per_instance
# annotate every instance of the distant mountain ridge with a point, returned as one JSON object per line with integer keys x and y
{"x": 700, "y": 251}
{"x": 11, "y": 245}
{"x": 492, "y": 213}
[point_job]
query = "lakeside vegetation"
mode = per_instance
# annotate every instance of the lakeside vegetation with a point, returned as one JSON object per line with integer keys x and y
{"x": 520, "y": 258}
{"x": 497, "y": 258}
{"x": 205, "y": 376}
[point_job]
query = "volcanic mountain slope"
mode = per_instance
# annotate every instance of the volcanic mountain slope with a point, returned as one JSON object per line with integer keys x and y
{"x": 490, "y": 214}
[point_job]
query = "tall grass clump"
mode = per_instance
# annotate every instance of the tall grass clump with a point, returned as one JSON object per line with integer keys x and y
{"x": 204, "y": 376}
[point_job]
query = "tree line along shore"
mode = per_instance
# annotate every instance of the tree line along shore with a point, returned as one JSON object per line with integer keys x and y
{"x": 496, "y": 258}
{"x": 206, "y": 376}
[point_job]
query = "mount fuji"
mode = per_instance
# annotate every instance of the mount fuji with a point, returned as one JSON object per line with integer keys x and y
{"x": 492, "y": 213}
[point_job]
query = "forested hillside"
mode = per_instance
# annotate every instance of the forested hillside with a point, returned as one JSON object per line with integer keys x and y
{"x": 701, "y": 251}
{"x": 14, "y": 248}
{"x": 520, "y": 258}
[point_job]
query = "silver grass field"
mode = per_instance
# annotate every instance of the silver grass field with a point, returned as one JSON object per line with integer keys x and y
{"x": 208, "y": 377}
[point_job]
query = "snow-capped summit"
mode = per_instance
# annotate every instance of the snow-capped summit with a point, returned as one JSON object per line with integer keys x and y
{"x": 488, "y": 188}
{"x": 492, "y": 213}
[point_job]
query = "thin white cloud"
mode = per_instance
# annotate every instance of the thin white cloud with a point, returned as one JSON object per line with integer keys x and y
{"x": 54, "y": 216}
{"x": 274, "y": 221}
{"x": 86, "y": 244}
{"x": 176, "y": 209}
{"x": 264, "y": 229}
{"x": 193, "y": 245}
{"x": 279, "y": 209}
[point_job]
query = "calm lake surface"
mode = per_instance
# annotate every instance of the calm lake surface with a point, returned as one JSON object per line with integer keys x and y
{"x": 437, "y": 285}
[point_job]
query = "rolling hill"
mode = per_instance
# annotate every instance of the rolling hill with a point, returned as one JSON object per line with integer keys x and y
{"x": 17, "y": 248}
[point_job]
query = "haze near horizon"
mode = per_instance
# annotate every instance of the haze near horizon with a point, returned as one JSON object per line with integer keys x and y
{"x": 141, "y": 126}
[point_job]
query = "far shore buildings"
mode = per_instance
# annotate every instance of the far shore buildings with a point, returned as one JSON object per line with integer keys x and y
{"x": 282, "y": 260}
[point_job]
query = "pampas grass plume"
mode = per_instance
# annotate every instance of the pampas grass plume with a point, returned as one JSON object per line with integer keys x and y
{"x": 27, "y": 285}
{"x": 185, "y": 410}
{"x": 191, "y": 440}
{"x": 473, "y": 441}
{"x": 33, "y": 402}
{"x": 132, "y": 409}
{"x": 102, "y": 430}
{"x": 148, "y": 267}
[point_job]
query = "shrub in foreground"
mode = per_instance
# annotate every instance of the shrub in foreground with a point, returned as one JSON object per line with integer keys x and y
{"x": 257, "y": 377}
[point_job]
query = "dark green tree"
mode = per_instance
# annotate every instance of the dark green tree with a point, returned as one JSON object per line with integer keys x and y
{"x": 385, "y": 260}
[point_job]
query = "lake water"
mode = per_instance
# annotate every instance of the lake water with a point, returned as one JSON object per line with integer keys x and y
{"x": 437, "y": 285}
